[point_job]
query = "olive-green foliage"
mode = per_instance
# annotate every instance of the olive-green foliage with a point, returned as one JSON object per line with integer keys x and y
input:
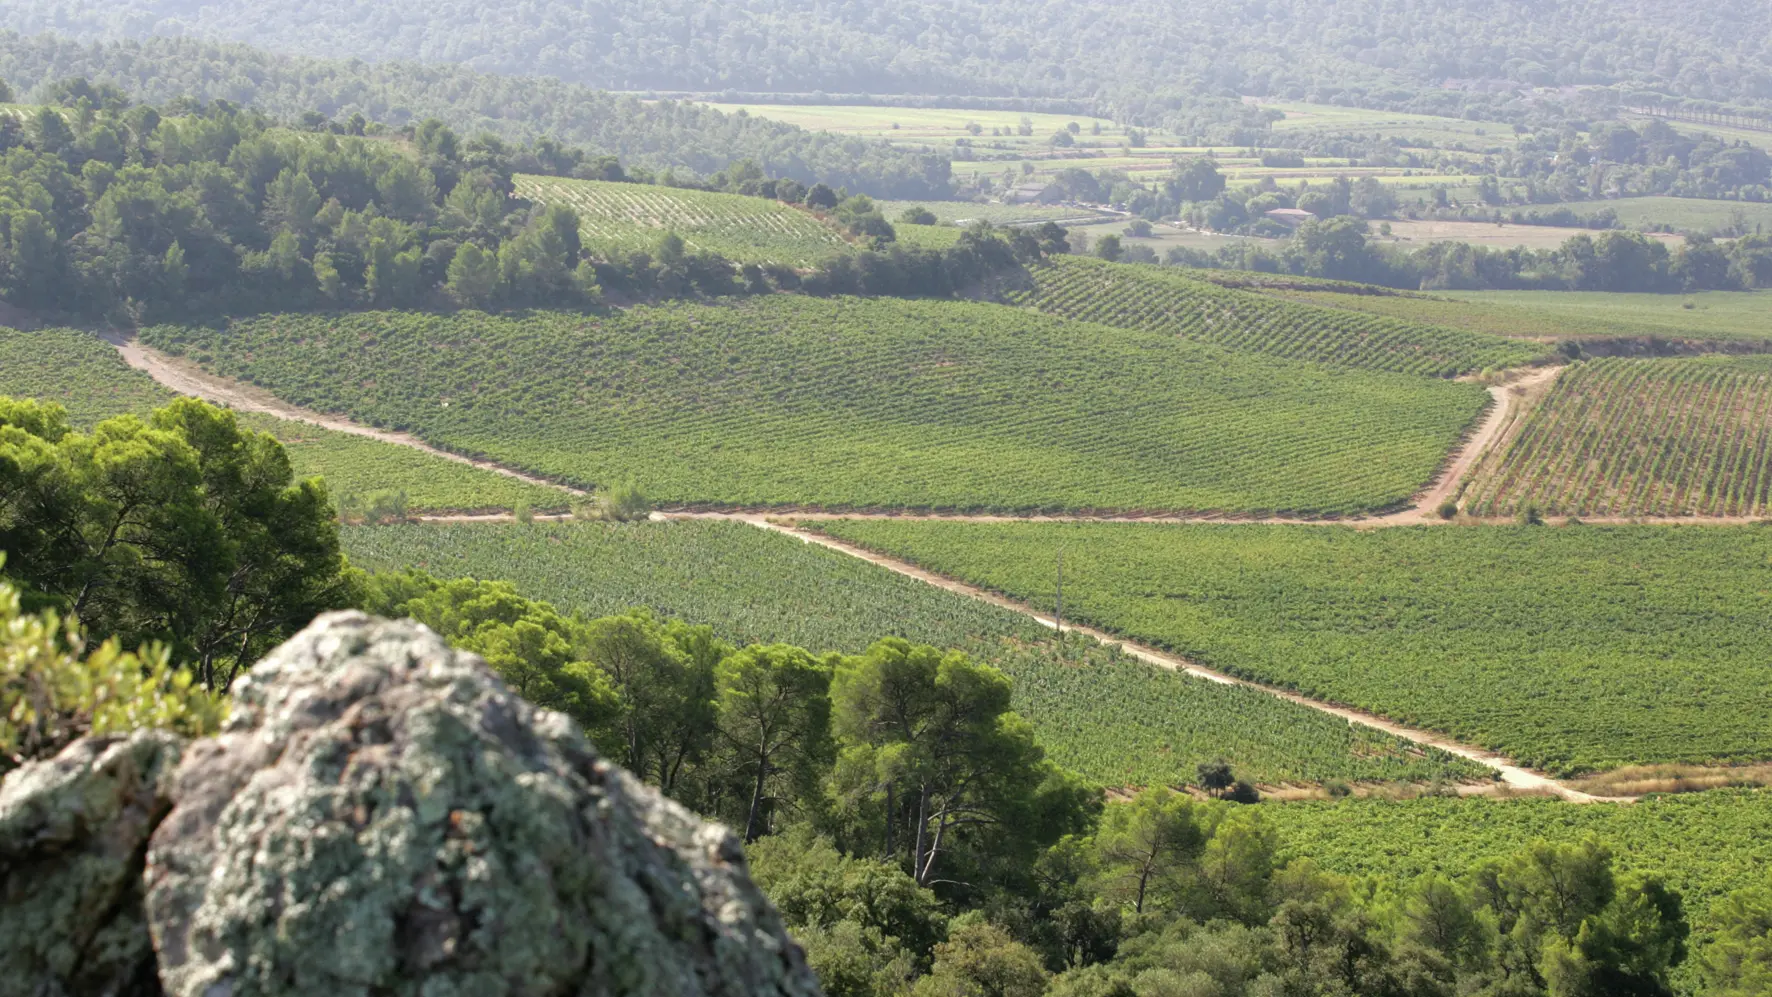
{"x": 790, "y": 400}
{"x": 1118, "y": 721}
{"x": 1167, "y": 301}
{"x": 86, "y": 376}
{"x": 186, "y": 529}
{"x": 981, "y": 958}
{"x": 1570, "y": 649}
{"x": 1705, "y": 845}
{"x": 932, "y": 756}
{"x": 539, "y": 653}
{"x": 53, "y": 691}
{"x": 1739, "y": 961}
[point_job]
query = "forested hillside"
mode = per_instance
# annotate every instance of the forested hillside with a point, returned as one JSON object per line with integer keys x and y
{"x": 1386, "y": 52}
{"x": 655, "y": 135}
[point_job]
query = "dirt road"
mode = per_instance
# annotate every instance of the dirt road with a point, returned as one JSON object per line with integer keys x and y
{"x": 188, "y": 379}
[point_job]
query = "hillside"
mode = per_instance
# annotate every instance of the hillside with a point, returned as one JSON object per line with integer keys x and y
{"x": 1568, "y": 649}
{"x": 1386, "y": 53}
{"x": 654, "y": 135}
{"x": 621, "y": 218}
{"x": 1118, "y": 721}
{"x": 1181, "y": 303}
{"x": 1628, "y": 438}
{"x": 786, "y": 400}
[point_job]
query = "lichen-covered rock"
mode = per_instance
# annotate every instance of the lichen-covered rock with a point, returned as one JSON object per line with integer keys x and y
{"x": 73, "y": 830}
{"x": 383, "y": 816}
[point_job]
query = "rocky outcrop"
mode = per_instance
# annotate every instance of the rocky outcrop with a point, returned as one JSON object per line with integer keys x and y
{"x": 382, "y": 815}
{"x": 73, "y": 833}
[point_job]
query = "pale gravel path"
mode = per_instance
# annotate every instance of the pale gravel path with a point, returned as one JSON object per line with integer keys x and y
{"x": 188, "y": 379}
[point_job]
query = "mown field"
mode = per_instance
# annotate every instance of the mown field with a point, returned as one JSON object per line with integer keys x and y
{"x": 1116, "y": 720}
{"x": 1705, "y": 845}
{"x": 89, "y": 379}
{"x": 621, "y": 218}
{"x": 1686, "y": 214}
{"x": 1619, "y": 438}
{"x": 879, "y": 403}
{"x": 1408, "y": 234}
{"x": 1578, "y": 315}
{"x": 965, "y": 212}
{"x": 1170, "y": 302}
{"x": 1571, "y": 649}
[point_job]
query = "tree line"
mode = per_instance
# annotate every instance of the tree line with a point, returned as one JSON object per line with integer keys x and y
{"x": 654, "y": 135}
{"x": 1145, "y": 58}
{"x": 126, "y": 211}
{"x": 907, "y": 822}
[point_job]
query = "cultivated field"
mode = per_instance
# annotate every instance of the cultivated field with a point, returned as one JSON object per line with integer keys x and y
{"x": 621, "y": 218}
{"x": 86, "y": 376}
{"x": 1627, "y": 438}
{"x": 1412, "y": 234}
{"x": 1301, "y": 117}
{"x": 1171, "y": 302}
{"x": 1686, "y": 214}
{"x": 1571, "y": 649}
{"x": 865, "y": 403}
{"x": 966, "y": 212}
{"x": 1559, "y": 315}
{"x": 1115, "y": 720}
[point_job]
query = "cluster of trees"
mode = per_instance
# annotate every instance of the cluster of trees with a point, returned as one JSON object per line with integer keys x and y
{"x": 905, "y": 820}
{"x": 109, "y": 208}
{"x": 1146, "y": 56}
{"x": 1343, "y": 248}
{"x": 654, "y": 135}
{"x": 1577, "y": 161}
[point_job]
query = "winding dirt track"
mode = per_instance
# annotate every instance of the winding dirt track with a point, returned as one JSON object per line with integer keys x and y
{"x": 188, "y": 379}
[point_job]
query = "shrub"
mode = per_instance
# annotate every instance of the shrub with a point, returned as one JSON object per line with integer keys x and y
{"x": 52, "y": 692}
{"x": 1448, "y": 509}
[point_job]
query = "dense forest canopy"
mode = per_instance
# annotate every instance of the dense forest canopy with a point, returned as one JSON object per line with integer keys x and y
{"x": 1367, "y": 51}
{"x": 658, "y": 135}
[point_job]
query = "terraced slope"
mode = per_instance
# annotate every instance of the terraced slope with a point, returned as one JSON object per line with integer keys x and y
{"x": 1114, "y": 719}
{"x": 1626, "y": 438}
{"x": 863, "y": 403}
{"x": 1568, "y": 649}
{"x": 621, "y": 218}
{"x": 1170, "y": 301}
{"x": 84, "y": 375}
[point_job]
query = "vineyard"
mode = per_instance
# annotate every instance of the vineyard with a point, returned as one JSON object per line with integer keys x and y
{"x": 849, "y": 403}
{"x": 1627, "y": 438}
{"x": 621, "y": 218}
{"x": 1706, "y": 845}
{"x": 1560, "y": 315}
{"x": 1113, "y": 719}
{"x": 88, "y": 378}
{"x": 1567, "y": 649}
{"x": 1165, "y": 301}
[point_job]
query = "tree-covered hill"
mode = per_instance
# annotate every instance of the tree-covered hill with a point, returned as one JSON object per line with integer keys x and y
{"x": 658, "y": 135}
{"x": 1383, "y": 51}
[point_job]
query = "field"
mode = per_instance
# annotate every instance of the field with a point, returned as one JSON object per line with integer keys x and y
{"x": 1571, "y": 649}
{"x": 1686, "y": 214}
{"x": 1621, "y": 438}
{"x": 1115, "y": 720}
{"x": 1557, "y": 315}
{"x": 1705, "y": 845}
{"x": 1333, "y": 119}
{"x": 851, "y": 403}
{"x": 92, "y": 382}
{"x": 963, "y": 213}
{"x": 621, "y": 218}
{"x": 1412, "y": 234}
{"x": 1171, "y": 302}
{"x": 1164, "y": 237}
